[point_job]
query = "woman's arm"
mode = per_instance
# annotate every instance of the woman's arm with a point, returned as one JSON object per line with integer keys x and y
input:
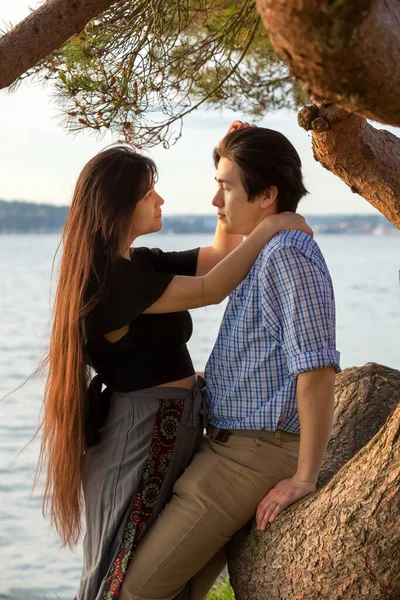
{"x": 224, "y": 243}
{"x": 184, "y": 293}
{"x": 209, "y": 256}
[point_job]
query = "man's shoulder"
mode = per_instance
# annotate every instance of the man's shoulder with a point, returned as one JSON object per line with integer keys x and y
{"x": 284, "y": 242}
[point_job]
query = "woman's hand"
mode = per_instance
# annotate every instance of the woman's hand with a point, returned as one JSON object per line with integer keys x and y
{"x": 235, "y": 126}
{"x": 284, "y": 221}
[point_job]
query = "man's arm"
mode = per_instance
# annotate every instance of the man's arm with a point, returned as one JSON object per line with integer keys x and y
{"x": 299, "y": 310}
{"x": 315, "y": 401}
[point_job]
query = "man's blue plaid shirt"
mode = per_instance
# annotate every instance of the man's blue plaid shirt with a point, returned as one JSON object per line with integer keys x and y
{"x": 278, "y": 323}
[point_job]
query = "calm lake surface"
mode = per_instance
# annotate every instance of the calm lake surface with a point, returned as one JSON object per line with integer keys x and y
{"x": 365, "y": 272}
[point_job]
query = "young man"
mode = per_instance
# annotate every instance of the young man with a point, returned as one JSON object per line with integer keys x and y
{"x": 269, "y": 380}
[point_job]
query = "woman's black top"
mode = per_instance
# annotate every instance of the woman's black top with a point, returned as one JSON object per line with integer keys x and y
{"x": 154, "y": 350}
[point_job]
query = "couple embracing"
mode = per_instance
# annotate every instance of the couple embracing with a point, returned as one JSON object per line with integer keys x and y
{"x": 166, "y": 466}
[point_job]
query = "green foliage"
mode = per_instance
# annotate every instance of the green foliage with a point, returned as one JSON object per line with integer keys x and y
{"x": 222, "y": 591}
{"x": 141, "y": 66}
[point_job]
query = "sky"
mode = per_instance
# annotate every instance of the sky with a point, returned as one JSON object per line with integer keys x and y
{"x": 40, "y": 161}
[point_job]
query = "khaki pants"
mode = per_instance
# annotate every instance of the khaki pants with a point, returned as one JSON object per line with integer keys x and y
{"x": 217, "y": 494}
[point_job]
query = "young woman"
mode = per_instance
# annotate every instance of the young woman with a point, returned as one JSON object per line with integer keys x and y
{"x": 122, "y": 312}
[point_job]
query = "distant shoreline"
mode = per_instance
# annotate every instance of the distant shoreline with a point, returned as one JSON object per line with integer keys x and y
{"x": 19, "y": 217}
{"x": 386, "y": 233}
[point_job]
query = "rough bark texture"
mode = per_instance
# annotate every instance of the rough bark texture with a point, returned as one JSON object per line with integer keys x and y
{"x": 364, "y": 398}
{"x": 344, "y": 541}
{"x": 365, "y": 158}
{"x": 345, "y": 52}
{"x": 46, "y": 29}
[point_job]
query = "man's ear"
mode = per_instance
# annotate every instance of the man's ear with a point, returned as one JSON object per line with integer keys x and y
{"x": 269, "y": 196}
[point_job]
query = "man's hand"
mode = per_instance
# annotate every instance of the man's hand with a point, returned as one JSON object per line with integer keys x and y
{"x": 285, "y": 493}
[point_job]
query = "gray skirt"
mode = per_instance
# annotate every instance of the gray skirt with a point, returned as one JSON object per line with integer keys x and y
{"x": 148, "y": 439}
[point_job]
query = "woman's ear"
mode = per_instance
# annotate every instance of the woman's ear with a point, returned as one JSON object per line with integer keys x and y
{"x": 269, "y": 196}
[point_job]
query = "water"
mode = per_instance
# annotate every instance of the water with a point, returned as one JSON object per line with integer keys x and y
{"x": 365, "y": 272}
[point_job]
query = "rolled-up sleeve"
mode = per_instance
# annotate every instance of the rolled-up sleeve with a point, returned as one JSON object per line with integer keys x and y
{"x": 298, "y": 309}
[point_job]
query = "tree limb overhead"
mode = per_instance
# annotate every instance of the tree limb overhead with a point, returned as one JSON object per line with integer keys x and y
{"x": 46, "y": 29}
{"x": 365, "y": 158}
{"x": 344, "y": 52}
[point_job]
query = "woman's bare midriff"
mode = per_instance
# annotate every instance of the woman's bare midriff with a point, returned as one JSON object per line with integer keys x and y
{"x": 187, "y": 382}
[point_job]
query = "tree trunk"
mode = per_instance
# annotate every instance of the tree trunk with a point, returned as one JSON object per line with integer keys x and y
{"x": 365, "y": 158}
{"x": 345, "y": 52}
{"x": 364, "y": 398}
{"x": 43, "y": 31}
{"x": 343, "y": 541}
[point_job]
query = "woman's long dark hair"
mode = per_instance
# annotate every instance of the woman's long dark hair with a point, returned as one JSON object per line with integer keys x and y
{"x": 98, "y": 223}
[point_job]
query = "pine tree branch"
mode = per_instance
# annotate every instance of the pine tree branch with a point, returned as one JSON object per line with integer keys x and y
{"x": 344, "y": 52}
{"x": 46, "y": 29}
{"x": 365, "y": 158}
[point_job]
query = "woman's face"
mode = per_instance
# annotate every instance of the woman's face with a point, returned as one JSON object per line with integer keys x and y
{"x": 147, "y": 217}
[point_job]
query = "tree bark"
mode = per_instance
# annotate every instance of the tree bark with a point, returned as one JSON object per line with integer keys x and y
{"x": 364, "y": 398}
{"x": 365, "y": 158}
{"x": 343, "y": 541}
{"x": 345, "y": 52}
{"x": 43, "y": 31}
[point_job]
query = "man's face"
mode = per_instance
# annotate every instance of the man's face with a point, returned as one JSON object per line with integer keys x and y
{"x": 235, "y": 212}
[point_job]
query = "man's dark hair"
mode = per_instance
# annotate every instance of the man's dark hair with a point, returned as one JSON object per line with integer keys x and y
{"x": 265, "y": 158}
